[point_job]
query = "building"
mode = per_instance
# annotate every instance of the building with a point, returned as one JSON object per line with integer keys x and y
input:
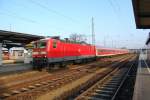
{"x": 5, "y": 54}
{"x": 17, "y": 53}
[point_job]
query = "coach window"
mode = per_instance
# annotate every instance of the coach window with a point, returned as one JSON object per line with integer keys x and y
{"x": 54, "y": 43}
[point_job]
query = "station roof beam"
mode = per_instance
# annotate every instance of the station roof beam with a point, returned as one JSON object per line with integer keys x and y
{"x": 17, "y": 37}
{"x": 142, "y": 13}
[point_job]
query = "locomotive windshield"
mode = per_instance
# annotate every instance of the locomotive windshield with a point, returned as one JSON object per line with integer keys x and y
{"x": 40, "y": 44}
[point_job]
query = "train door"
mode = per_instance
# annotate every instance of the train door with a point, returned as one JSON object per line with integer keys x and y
{"x": 56, "y": 51}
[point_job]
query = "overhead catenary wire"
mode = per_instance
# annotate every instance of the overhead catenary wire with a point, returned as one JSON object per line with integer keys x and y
{"x": 18, "y": 17}
{"x": 117, "y": 11}
{"x": 44, "y": 8}
{"x": 117, "y": 3}
{"x": 53, "y": 11}
{"x": 47, "y": 9}
{"x": 114, "y": 9}
{"x": 25, "y": 19}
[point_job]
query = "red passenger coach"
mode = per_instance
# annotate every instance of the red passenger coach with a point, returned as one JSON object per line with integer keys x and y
{"x": 106, "y": 52}
{"x": 48, "y": 52}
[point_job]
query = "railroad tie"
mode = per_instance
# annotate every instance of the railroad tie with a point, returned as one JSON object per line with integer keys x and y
{"x": 95, "y": 98}
{"x": 101, "y": 95}
{"x": 31, "y": 87}
{"x": 104, "y": 91}
{"x": 107, "y": 88}
{"x": 24, "y": 89}
{"x": 62, "y": 82}
{"x": 109, "y": 85}
{"x": 49, "y": 81}
{"x": 38, "y": 84}
{"x": 54, "y": 79}
{"x": 6, "y": 95}
{"x": 66, "y": 75}
{"x": 116, "y": 77}
{"x": 114, "y": 84}
{"x": 114, "y": 81}
{"x": 15, "y": 92}
{"x": 84, "y": 98}
{"x": 70, "y": 79}
{"x": 52, "y": 86}
{"x": 44, "y": 83}
{"x": 58, "y": 84}
{"x": 58, "y": 78}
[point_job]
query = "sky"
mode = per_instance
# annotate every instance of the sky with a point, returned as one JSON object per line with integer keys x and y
{"x": 113, "y": 20}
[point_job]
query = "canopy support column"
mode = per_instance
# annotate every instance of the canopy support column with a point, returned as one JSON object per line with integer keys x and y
{"x": 0, "y": 54}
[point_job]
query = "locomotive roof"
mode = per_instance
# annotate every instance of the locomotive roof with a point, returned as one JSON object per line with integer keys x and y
{"x": 69, "y": 41}
{"x": 66, "y": 41}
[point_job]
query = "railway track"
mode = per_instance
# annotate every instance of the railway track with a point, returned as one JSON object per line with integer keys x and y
{"x": 73, "y": 92}
{"x": 108, "y": 87}
{"x": 17, "y": 72}
{"x": 33, "y": 87}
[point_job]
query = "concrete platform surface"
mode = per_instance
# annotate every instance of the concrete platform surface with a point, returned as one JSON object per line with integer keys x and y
{"x": 142, "y": 85}
{"x": 12, "y": 61}
{"x": 10, "y": 68}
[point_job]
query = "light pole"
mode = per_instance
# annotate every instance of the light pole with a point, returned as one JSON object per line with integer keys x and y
{"x": 93, "y": 32}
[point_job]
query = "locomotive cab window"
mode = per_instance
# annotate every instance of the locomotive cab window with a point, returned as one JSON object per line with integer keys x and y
{"x": 40, "y": 44}
{"x": 43, "y": 44}
{"x": 54, "y": 43}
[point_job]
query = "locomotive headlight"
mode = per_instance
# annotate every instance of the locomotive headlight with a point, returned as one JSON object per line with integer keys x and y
{"x": 43, "y": 52}
{"x": 35, "y": 53}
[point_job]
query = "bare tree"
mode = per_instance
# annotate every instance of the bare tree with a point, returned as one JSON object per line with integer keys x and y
{"x": 73, "y": 37}
{"x": 78, "y": 37}
{"x": 82, "y": 38}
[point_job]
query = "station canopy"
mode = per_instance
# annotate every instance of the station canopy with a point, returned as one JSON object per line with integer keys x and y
{"x": 15, "y": 38}
{"x": 142, "y": 13}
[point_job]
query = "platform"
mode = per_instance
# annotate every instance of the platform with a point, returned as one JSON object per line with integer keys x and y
{"x": 18, "y": 67}
{"x": 142, "y": 85}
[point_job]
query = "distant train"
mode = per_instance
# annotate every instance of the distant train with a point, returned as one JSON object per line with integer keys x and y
{"x": 108, "y": 52}
{"x": 51, "y": 51}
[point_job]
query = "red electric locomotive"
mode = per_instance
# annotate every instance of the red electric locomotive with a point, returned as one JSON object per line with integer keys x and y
{"x": 51, "y": 51}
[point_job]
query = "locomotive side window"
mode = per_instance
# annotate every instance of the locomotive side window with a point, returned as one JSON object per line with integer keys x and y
{"x": 54, "y": 43}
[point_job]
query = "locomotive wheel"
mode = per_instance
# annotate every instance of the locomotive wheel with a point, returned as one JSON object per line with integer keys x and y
{"x": 63, "y": 65}
{"x": 86, "y": 60}
{"x": 50, "y": 66}
{"x": 34, "y": 67}
{"x": 39, "y": 67}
